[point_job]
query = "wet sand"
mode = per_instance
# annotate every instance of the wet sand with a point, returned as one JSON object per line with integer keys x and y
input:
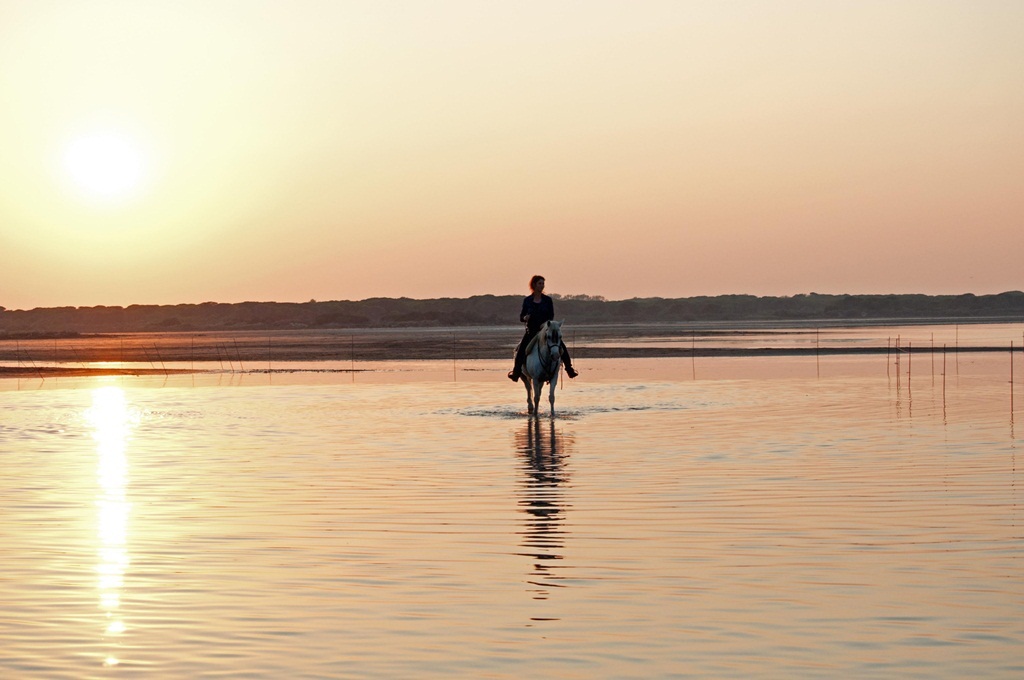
{"x": 168, "y": 353}
{"x": 82, "y": 372}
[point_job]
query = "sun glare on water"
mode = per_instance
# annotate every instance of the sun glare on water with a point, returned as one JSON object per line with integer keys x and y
{"x": 105, "y": 166}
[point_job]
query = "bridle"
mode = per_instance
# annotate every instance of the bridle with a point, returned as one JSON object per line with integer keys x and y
{"x": 554, "y": 352}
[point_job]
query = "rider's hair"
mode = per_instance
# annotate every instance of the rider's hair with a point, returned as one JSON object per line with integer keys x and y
{"x": 534, "y": 280}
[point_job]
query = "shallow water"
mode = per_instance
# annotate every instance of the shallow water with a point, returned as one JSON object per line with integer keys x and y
{"x": 720, "y": 518}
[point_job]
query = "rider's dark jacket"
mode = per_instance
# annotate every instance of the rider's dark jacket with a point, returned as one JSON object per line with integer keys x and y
{"x": 539, "y": 312}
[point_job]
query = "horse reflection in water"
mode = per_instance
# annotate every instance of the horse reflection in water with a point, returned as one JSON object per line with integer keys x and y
{"x": 542, "y": 499}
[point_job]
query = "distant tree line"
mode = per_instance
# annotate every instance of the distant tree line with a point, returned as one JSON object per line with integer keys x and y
{"x": 497, "y": 310}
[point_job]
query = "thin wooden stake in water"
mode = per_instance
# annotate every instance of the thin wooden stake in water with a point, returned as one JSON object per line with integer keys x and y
{"x": 148, "y": 358}
{"x": 77, "y": 357}
{"x": 693, "y": 354}
{"x": 817, "y": 357}
{"x": 933, "y": 359}
{"x": 943, "y": 377}
{"x": 910, "y": 360}
{"x": 159, "y": 358}
{"x": 28, "y": 360}
{"x": 956, "y": 351}
{"x": 898, "y": 369}
{"x": 1011, "y": 380}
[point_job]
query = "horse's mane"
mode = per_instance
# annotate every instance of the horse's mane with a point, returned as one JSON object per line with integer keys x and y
{"x": 536, "y": 338}
{"x": 543, "y": 332}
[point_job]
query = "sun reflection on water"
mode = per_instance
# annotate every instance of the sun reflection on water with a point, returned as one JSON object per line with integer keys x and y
{"x": 111, "y": 422}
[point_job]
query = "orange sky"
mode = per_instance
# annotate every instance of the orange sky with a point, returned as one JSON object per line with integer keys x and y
{"x": 155, "y": 152}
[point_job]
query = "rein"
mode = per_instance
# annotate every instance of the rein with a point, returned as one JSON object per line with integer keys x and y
{"x": 554, "y": 356}
{"x": 541, "y": 344}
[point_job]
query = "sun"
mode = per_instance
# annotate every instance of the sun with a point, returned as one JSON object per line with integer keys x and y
{"x": 105, "y": 165}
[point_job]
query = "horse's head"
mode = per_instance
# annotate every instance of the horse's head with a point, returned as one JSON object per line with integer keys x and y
{"x": 553, "y": 332}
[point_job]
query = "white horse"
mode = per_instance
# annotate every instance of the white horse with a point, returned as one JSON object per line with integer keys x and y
{"x": 542, "y": 365}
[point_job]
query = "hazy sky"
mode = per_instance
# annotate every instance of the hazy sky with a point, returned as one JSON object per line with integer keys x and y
{"x": 165, "y": 152}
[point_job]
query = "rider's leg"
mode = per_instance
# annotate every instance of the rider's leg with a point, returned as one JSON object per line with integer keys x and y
{"x": 517, "y": 368}
{"x": 569, "y": 370}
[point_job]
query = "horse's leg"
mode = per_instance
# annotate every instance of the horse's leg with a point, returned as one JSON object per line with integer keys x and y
{"x": 527, "y": 381}
{"x": 538, "y": 389}
{"x": 551, "y": 393}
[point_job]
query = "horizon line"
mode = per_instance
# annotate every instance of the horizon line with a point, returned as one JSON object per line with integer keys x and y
{"x": 557, "y": 296}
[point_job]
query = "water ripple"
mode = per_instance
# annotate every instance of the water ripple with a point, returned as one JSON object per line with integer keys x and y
{"x": 735, "y": 528}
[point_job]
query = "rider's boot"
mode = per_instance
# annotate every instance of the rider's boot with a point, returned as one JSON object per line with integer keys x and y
{"x": 570, "y": 371}
{"x": 517, "y": 363}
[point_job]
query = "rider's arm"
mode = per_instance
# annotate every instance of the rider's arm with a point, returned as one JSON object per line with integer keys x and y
{"x": 524, "y": 313}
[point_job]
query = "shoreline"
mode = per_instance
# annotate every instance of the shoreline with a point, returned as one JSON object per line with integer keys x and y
{"x": 44, "y": 371}
{"x": 164, "y": 353}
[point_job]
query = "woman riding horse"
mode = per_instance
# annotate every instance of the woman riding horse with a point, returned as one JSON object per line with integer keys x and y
{"x": 537, "y": 309}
